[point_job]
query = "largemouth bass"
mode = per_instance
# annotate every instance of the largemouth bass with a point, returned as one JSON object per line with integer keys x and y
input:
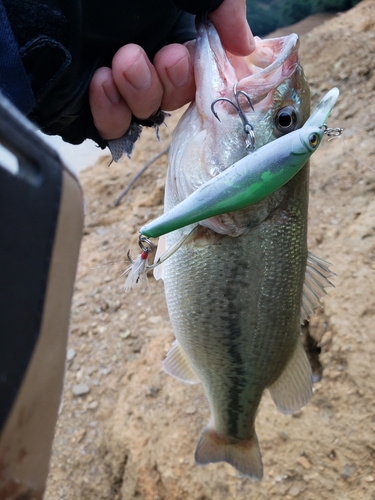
{"x": 235, "y": 290}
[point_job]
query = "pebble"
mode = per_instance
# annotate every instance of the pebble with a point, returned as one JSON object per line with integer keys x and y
{"x": 93, "y": 405}
{"x": 90, "y": 370}
{"x": 70, "y": 354}
{"x": 283, "y": 436}
{"x": 80, "y": 435}
{"x": 125, "y": 335}
{"x": 80, "y": 389}
{"x": 347, "y": 472}
{"x": 369, "y": 479}
{"x": 304, "y": 462}
{"x": 154, "y": 319}
{"x": 294, "y": 491}
{"x": 191, "y": 410}
{"x": 153, "y": 391}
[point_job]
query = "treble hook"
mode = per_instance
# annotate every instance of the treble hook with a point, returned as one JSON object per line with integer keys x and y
{"x": 247, "y": 127}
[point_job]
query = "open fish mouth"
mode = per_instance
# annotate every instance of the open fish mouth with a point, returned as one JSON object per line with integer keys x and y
{"x": 272, "y": 62}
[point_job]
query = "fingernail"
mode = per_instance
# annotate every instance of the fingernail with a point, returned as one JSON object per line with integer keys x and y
{"x": 179, "y": 73}
{"x": 111, "y": 92}
{"x": 139, "y": 74}
{"x": 251, "y": 41}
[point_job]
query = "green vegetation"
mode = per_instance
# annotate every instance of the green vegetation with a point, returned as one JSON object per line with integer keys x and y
{"x": 265, "y": 16}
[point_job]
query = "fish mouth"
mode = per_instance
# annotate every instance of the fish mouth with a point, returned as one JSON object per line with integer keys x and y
{"x": 272, "y": 62}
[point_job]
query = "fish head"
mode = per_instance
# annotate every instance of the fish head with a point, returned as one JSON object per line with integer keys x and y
{"x": 271, "y": 77}
{"x": 267, "y": 89}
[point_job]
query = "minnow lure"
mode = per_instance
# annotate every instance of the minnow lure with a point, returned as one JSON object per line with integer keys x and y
{"x": 250, "y": 179}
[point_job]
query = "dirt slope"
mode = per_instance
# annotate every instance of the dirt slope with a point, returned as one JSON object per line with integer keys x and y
{"x": 133, "y": 435}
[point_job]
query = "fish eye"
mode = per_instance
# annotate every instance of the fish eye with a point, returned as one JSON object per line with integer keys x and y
{"x": 313, "y": 140}
{"x": 286, "y": 119}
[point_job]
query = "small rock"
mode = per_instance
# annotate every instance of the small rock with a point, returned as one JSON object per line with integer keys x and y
{"x": 154, "y": 391}
{"x": 283, "y": 436}
{"x": 93, "y": 405}
{"x": 80, "y": 435}
{"x": 332, "y": 455}
{"x": 304, "y": 462}
{"x": 137, "y": 346}
{"x": 70, "y": 354}
{"x": 369, "y": 479}
{"x": 80, "y": 389}
{"x": 294, "y": 491}
{"x": 125, "y": 335}
{"x": 283, "y": 489}
{"x": 90, "y": 370}
{"x": 347, "y": 472}
{"x": 191, "y": 410}
{"x": 154, "y": 319}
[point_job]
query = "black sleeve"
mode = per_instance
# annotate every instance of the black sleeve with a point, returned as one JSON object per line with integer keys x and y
{"x": 198, "y": 7}
{"x": 63, "y": 42}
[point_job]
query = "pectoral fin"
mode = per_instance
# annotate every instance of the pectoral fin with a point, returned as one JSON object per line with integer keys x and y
{"x": 177, "y": 365}
{"x": 316, "y": 280}
{"x": 293, "y": 389}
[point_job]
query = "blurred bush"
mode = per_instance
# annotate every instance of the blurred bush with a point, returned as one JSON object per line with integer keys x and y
{"x": 265, "y": 16}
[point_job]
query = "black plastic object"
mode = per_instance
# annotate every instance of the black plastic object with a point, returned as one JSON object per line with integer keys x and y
{"x": 29, "y": 206}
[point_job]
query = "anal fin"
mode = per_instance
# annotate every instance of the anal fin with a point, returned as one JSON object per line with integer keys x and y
{"x": 293, "y": 389}
{"x": 243, "y": 455}
{"x": 177, "y": 365}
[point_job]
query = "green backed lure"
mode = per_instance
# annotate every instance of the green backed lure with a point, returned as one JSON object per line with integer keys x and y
{"x": 250, "y": 179}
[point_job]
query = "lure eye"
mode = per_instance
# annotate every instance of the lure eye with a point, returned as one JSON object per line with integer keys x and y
{"x": 313, "y": 140}
{"x": 286, "y": 120}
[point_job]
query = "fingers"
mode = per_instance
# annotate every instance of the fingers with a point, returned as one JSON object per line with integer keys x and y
{"x": 230, "y": 21}
{"x": 175, "y": 70}
{"x": 137, "y": 80}
{"x": 110, "y": 112}
{"x": 135, "y": 86}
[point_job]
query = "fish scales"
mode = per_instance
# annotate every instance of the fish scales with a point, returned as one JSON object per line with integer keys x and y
{"x": 235, "y": 290}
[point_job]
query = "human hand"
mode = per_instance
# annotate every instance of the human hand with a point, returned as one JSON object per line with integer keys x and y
{"x": 135, "y": 86}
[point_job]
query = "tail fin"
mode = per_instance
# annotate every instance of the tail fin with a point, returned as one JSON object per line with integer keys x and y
{"x": 244, "y": 455}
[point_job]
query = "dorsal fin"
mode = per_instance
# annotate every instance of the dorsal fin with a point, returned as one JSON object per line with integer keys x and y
{"x": 177, "y": 365}
{"x": 316, "y": 280}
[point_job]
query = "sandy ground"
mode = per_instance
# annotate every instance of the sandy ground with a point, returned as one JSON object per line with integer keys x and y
{"x": 133, "y": 430}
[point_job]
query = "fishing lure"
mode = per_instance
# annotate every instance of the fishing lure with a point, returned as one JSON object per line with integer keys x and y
{"x": 250, "y": 179}
{"x": 242, "y": 184}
